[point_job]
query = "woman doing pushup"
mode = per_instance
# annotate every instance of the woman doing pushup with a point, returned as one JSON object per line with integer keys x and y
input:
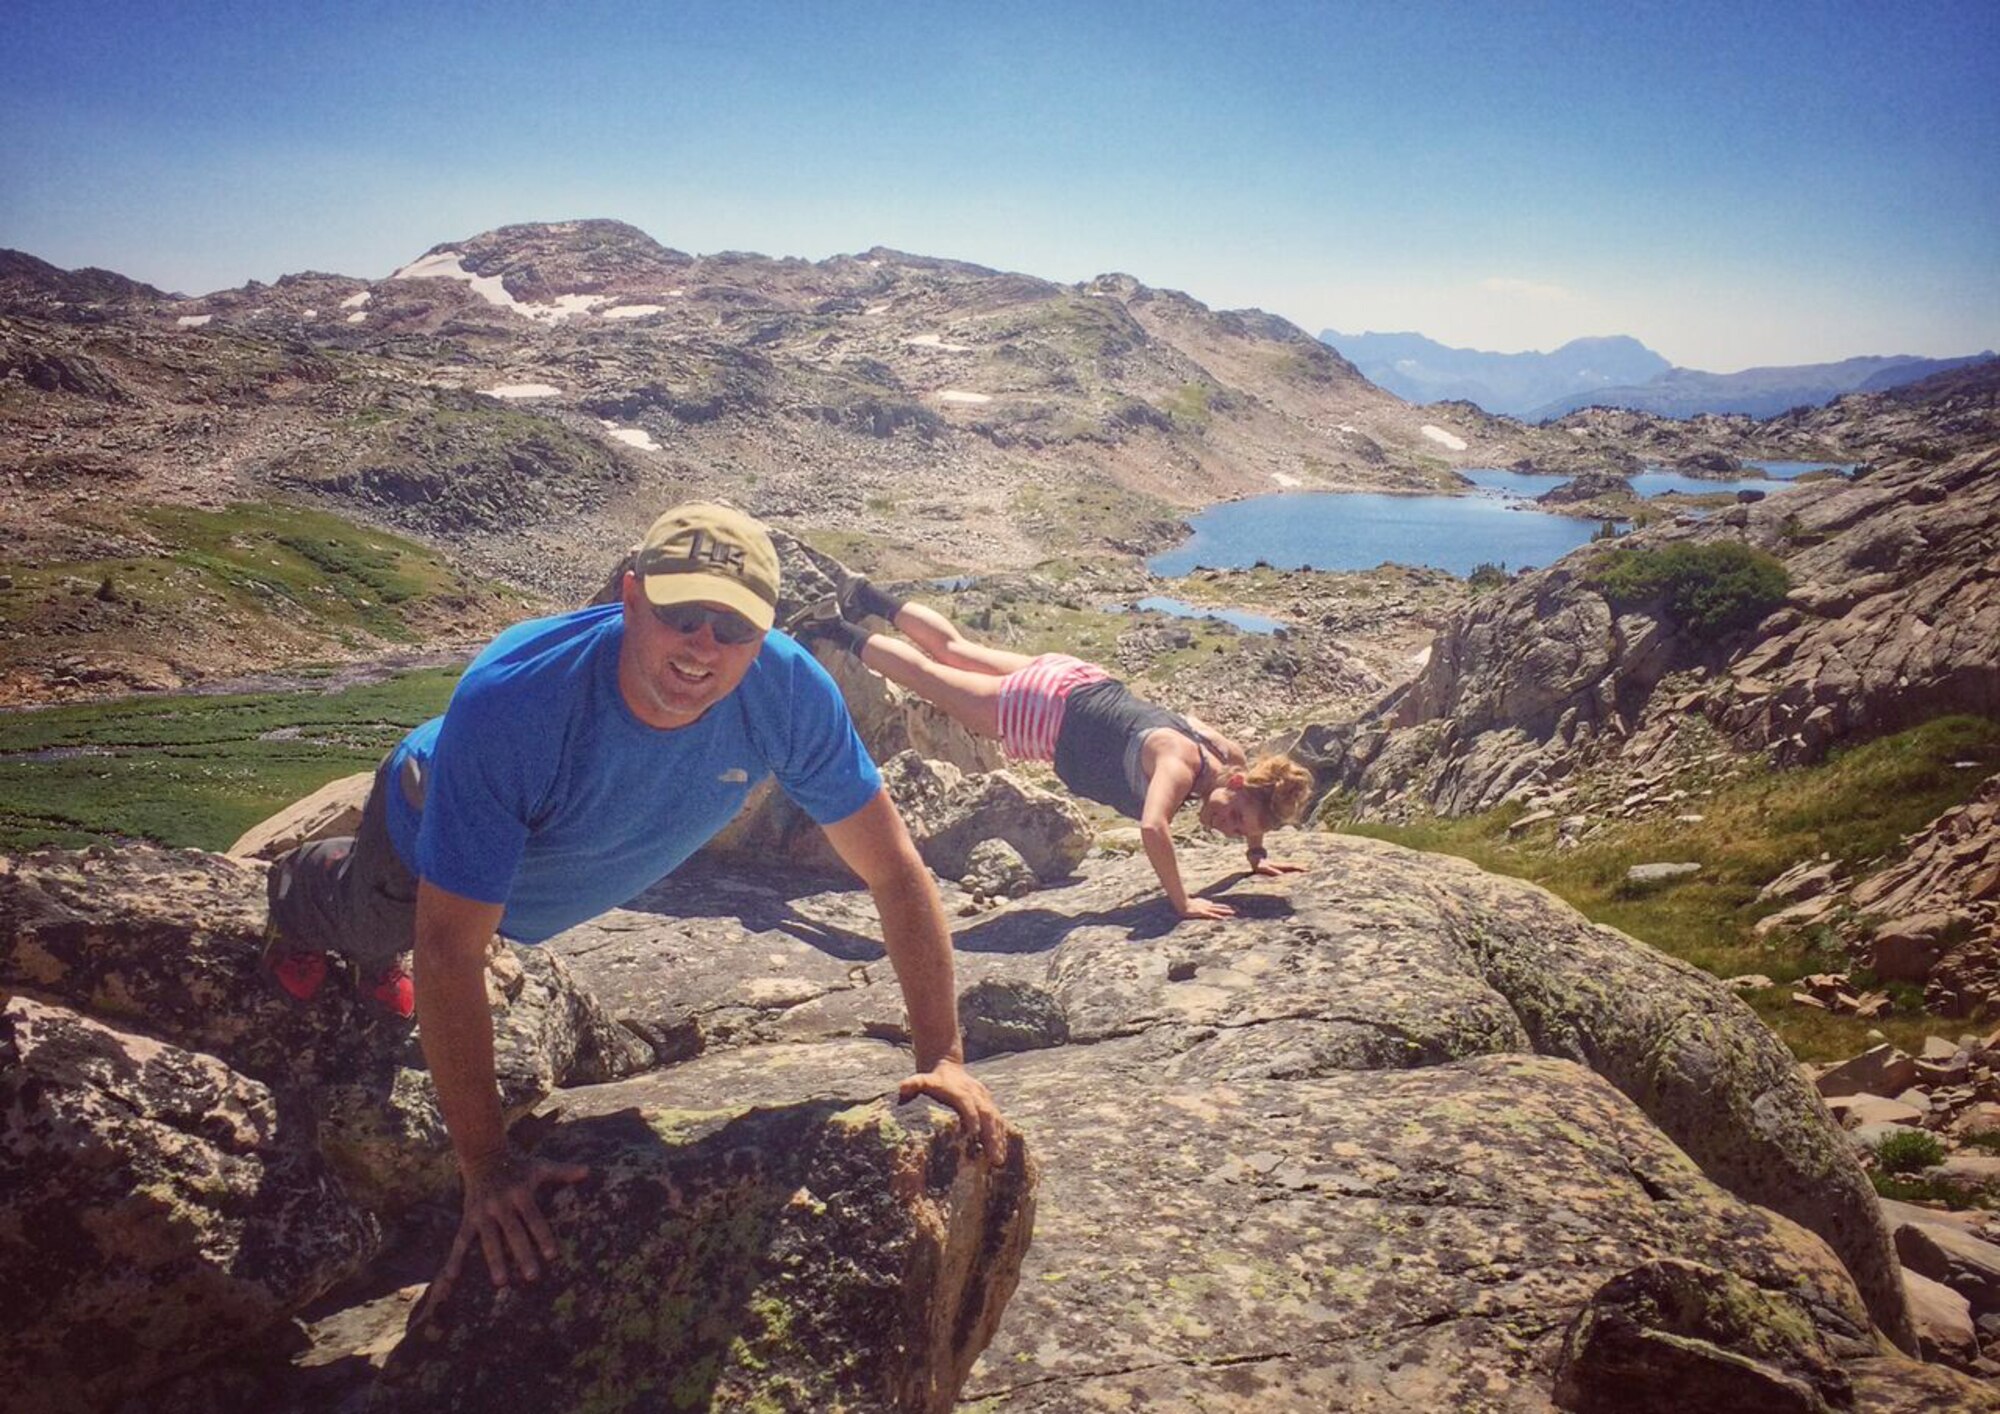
{"x": 1105, "y": 743}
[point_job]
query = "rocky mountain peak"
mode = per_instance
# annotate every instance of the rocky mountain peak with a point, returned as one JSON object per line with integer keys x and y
{"x": 539, "y": 262}
{"x": 26, "y": 281}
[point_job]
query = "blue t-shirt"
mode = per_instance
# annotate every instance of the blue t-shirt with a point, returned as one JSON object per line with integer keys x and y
{"x": 543, "y": 792}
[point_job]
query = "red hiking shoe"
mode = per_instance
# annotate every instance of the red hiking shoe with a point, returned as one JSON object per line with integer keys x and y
{"x": 392, "y": 994}
{"x": 296, "y": 976}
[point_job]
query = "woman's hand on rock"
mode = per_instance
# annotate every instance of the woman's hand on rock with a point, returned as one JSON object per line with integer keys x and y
{"x": 1207, "y": 908}
{"x": 1275, "y": 867}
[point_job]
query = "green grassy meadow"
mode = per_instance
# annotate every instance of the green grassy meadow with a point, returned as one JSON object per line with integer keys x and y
{"x": 193, "y": 771}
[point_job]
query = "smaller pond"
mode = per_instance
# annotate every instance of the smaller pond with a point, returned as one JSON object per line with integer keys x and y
{"x": 1654, "y": 481}
{"x": 1180, "y": 609}
{"x": 1787, "y": 471}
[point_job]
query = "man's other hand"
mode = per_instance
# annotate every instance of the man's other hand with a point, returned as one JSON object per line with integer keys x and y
{"x": 501, "y": 1215}
{"x": 980, "y": 1126}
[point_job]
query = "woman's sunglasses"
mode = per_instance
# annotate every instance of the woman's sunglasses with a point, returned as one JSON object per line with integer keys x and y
{"x": 728, "y": 626}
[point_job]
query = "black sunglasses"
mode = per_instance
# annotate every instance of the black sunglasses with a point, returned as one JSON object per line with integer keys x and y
{"x": 728, "y": 626}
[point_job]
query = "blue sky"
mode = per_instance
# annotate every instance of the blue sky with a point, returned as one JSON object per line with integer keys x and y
{"x": 1734, "y": 184}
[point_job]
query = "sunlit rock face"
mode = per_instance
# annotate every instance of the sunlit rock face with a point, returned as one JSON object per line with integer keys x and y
{"x": 1377, "y": 1143}
{"x": 1399, "y": 1135}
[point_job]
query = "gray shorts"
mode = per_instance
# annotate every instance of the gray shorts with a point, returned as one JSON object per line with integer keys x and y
{"x": 350, "y": 895}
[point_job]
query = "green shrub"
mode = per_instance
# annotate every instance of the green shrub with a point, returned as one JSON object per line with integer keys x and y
{"x": 1907, "y": 1151}
{"x": 1709, "y": 590}
{"x": 1926, "y": 1190}
{"x": 1487, "y": 575}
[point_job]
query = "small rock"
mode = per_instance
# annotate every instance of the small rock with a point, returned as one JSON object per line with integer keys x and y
{"x": 996, "y": 869}
{"x": 1943, "y": 1320}
{"x": 1972, "y": 1173}
{"x": 1855, "y": 1110}
{"x": 1982, "y": 1118}
{"x": 1648, "y": 874}
{"x": 1952, "y": 1257}
{"x": 1880, "y": 1070}
{"x": 997, "y": 1017}
{"x": 1748, "y": 982}
{"x": 1953, "y": 1072}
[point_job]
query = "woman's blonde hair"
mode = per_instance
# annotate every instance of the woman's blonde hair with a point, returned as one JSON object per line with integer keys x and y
{"x": 1282, "y": 787}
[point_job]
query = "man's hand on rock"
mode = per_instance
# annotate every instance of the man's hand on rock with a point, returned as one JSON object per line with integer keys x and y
{"x": 501, "y": 1215}
{"x": 979, "y": 1122}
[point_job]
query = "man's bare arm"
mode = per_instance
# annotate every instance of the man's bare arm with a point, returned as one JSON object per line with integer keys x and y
{"x": 456, "y": 1028}
{"x": 874, "y": 844}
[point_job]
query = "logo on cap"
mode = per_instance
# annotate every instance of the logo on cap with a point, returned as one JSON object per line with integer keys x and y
{"x": 705, "y": 547}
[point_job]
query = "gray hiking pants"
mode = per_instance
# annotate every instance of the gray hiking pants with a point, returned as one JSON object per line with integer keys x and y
{"x": 350, "y": 895}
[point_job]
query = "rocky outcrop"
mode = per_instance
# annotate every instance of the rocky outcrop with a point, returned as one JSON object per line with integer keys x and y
{"x": 1893, "y": 618}
{"x": 240, "y": 1150}
{"x": 158, "y": 1210}
{"x": 950, "y": 815}
{"x": 1894, "y": 614}
{"x": 814, "y": 1256}
{"x": 165, "y": 943}
{"x": 1587, "y": 486}
{"x": 1939, "y": 908}
{"x": 1393, "y": 1136}
{"x": 1718, "y": 466}
{"x": 1381, "y": 1140}
{"x": 1930, "y": 914}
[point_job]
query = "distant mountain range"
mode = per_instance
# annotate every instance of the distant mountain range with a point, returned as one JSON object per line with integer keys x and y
{"x": 1613, "y": 372}
{"x": 1425, "y": 371}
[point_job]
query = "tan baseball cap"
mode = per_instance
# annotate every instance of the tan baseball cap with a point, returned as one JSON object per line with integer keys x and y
{"x": 712, "y": 554}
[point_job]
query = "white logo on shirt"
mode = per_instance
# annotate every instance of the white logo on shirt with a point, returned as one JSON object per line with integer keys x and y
{"x": 734, "y": 776}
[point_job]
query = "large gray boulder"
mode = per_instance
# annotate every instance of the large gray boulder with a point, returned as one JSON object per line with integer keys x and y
{"x": 158, "y": 1209}
{"x": 947, "y": 812}
{"x": 950, "y": 813}
{"x": 165, "y": 943}
{"x": 1382, "y": 1141}
{"x": 807, "y": 1256}
{"x": 1397, "y": 1136}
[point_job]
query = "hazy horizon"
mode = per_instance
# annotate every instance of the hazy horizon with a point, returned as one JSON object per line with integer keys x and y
{"x": 1797, "y": 183}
